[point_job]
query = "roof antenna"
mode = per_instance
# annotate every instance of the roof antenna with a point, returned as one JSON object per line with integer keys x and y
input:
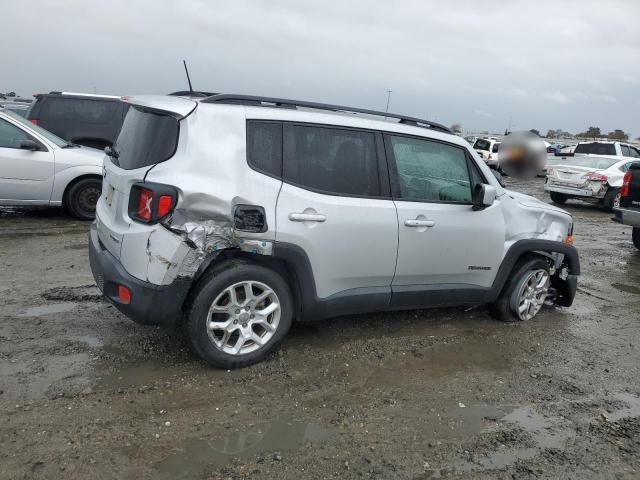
{"x": 188, "y": 79}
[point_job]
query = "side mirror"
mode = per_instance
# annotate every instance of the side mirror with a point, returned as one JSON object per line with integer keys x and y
{"x": 483, "y": 196}
{"x": 29, "y": 145}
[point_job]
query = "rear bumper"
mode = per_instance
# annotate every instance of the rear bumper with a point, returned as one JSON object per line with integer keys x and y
{"x": 150, "y": 304}
{"x": 627, "y": 216}
{"x": 574, "y": 191}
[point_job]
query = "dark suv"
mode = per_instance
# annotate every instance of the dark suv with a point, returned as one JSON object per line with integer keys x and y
{"x": 85, "y": 119}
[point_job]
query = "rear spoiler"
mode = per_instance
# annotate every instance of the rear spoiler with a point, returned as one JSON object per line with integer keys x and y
{"x": 179, "y": 107}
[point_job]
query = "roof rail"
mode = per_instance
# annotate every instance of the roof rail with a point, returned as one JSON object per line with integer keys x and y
{"x": 194, "y": 93}
{"x": 282, "y": 102}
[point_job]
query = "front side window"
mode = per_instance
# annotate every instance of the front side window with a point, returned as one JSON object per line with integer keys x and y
{"x": 625, "y": 151}
{"x": 430, "y": 171}
{"x": 635, "y": 153}
{"x": 331, "y": 160}
{"x": 264, "y": 147}
{"x": 10, "y": 135}
{"x": 495, "y": 148}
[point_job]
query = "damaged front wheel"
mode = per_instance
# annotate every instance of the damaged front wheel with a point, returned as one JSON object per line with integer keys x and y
{"x": 239, "y": 313}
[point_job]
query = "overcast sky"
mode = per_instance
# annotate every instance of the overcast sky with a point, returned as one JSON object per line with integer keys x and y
{"x": 563, "y": 64}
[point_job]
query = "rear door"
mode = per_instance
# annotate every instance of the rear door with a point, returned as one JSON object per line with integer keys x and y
{"x": 25, "y": 175}
{"x": 443, "y": 241}
{"x": 334, "y": 204}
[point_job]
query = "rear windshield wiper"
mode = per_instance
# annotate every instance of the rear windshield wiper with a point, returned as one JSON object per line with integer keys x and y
{"x": 113, "y": 154}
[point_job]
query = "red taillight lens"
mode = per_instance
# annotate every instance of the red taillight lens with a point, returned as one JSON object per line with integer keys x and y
{"x": 624, "y": 190}
{"x": 598, "y": 177}
{"x": 145, "y": 203}
{"x": 165, "y": 202}
{"x": 34, "y": 121}
{"x": 124, "y": 294}
{"x": 151, "y": 202}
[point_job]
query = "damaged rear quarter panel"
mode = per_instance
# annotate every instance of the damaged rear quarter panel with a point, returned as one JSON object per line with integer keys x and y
{"x": 212, "y": 176}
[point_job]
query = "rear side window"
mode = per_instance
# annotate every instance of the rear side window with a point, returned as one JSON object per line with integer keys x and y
{"x": 77, "y": 109}
{"x": 596, "y": 148}
{"x": 146, "y": 138}
{"x": 495, "y": 148}
{"x": 331, "y": 160}
{"x": 428, "y": 171}
{"x": 482, "y": 144}
{"x": 264, "y": 147}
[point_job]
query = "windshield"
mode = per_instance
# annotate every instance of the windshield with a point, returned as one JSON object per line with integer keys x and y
{"x": 39, "y": 130}
{"x": 482, "y": 144}
{"x": 597, "y": 148}
{"x": 146, "y": 138}
{"x": 598, "y": 163}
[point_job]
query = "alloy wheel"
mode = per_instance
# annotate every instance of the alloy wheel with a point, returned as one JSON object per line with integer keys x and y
{"x": 531, "y": 294}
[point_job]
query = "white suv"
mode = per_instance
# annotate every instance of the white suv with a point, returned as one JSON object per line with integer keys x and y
{"x": 235, "y": 215}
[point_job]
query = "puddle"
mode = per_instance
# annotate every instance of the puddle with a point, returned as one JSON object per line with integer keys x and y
{"x": 48, "y": 309}
{"x": 199, "y": 454}
{"x": 633, "y": 410}
{"x": 626, "y": 288}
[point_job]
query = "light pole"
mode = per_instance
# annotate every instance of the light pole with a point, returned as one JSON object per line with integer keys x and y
{"x": 388, "y": 98}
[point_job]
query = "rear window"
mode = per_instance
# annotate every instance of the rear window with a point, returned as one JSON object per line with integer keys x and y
{"x": 146, "y": 138}
{"x": 596, "y": 148}
{"x": 482, "y": 144}
{"x": 78, "y": 109}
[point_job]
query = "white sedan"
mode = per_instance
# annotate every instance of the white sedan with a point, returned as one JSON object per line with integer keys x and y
{"x": 39, "y": 168}
{"x": 589, "y": 177}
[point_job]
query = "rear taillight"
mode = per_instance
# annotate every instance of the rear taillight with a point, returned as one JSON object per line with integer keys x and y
{"x": 597, "y": 177}
{"x": 34, "y": 121}
{"x": 151, "y": 202}
{"x": 624, "y": 190}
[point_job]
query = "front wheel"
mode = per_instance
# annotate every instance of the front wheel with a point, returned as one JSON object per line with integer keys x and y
{"x": 239, "y": 313}
{"x": 82, "y": 197}
{"x": 558, "y": 197}
{"x": 525, "y": 292}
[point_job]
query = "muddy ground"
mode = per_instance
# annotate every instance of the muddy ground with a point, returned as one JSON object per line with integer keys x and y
{"x": 86, "y": 393}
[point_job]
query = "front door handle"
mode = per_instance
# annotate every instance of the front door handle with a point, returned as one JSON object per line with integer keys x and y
{"x": 307, "y": 217}
{"x": 419, "y": 223}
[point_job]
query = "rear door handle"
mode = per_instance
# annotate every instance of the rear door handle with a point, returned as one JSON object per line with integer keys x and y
{"x": 419, "y": 223}
{"x": 307, "y": 217}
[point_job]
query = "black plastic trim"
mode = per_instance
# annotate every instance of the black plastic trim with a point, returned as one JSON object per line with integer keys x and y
{"x": 150, "y": 304}
{"x": 399, "y": 297}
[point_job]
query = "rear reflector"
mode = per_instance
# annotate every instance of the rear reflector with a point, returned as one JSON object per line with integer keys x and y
{"x": 124, "y": 294}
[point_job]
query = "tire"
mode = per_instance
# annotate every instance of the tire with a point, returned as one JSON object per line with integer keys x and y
{"x": 506, "y": 306}
{"x": 216, "y": 345}
{"x": 611, "y": 199}
{"x": 558, "y": 197}
{"x": 82, "y": 196}
{"x": 636, "y": 237}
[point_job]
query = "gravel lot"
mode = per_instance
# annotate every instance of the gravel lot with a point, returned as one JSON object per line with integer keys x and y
{"x": 86, "y": 393}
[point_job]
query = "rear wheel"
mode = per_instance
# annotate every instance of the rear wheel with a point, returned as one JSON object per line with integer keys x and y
{"x": 558, "y": 197}
{"x": 612, "y": 199}
{"x": 636, "y": 237}
{"x": 525, "y": 293}
{"x": 239, "y": 313}
{"x": 82, "y": 197}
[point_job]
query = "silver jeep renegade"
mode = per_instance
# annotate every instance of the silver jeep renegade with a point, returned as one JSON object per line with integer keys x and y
{"x": 234, "y": 216}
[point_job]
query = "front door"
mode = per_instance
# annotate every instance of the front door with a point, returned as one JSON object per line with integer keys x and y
{"x": 443, "y": 241}
{"x": 26, "y": 176}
